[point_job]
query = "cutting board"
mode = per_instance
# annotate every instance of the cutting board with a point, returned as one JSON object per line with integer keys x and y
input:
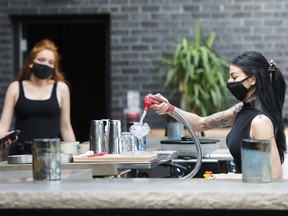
{"x": 117, "y": 158}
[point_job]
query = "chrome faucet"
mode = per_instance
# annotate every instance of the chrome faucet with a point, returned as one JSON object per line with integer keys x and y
{"x": 151, "y": 99}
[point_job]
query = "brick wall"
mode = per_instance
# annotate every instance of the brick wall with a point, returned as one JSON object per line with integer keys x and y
{"x": 142, "y": 29}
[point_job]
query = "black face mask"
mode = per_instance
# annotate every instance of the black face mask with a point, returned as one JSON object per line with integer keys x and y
{"x": 41, "y": 71}
{"x": 237, "y": 89}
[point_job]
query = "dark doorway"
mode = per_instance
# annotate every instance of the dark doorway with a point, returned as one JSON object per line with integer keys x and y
{"x": 84, "y": 46}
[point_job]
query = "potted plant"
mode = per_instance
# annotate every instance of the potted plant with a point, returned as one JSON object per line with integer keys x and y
{"x": 197, "y": 73}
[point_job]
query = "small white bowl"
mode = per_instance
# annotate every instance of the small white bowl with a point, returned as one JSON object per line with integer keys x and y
{"x": 69, "y": 147}
{"x": 84, "y": 147}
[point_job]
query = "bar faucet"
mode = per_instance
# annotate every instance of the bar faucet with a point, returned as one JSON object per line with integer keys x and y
{"x": 151, "y": 99}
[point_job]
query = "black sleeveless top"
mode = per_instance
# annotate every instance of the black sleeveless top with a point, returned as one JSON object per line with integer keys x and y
{"x": 37, "y": 118}
{"x": 241, "y": 130}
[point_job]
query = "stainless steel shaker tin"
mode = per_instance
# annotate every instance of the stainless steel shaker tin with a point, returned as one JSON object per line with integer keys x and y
{"x": 114, "y": 134}
{"x": 106, "y": 123}
{"x": 46, "y": 158}
{"x": 97, "y": 136}
{"x": 256, "y": 160}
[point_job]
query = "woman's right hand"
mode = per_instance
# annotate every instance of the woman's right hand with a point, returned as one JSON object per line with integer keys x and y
{"x": 161, "y": 108}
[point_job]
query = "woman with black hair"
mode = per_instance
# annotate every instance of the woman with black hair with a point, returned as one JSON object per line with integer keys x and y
{"x": 261, "y": 88}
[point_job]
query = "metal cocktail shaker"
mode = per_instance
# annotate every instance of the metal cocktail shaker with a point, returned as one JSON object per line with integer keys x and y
{"x": 46, "y": 158}
{"x": 106, "y": 123}
{"x": 97, "y": 136}
{"x": 114, "y": 135}
{"x": 256, "y": 160}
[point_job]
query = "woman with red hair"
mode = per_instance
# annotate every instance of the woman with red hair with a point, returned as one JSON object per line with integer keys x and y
{"x": 39, "y": 98}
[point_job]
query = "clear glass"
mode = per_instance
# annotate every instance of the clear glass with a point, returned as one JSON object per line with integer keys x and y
{"x": 129, "y": 142}
{"x": 140, "y": 131}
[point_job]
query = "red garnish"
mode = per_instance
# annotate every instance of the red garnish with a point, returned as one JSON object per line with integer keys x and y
{"x": 208, "y": 174}
{"x": 97, "y": 154}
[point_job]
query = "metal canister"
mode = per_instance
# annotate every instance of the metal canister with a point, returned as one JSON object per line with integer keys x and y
{"x": 114, "y": 135}
{"x": 97, "y": 136}
{"x": 256, "y": 160}
{"x": 106, "y": 135}
{"x": 46, "y": 159}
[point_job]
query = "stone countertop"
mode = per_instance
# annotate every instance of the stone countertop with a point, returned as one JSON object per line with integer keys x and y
{"x": 23, "y": 176}
{"x": 144, "y": 193}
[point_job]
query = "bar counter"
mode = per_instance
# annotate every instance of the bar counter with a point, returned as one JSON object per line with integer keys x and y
{"x": 145, "y": 194}
{"x": 83, "y": 196}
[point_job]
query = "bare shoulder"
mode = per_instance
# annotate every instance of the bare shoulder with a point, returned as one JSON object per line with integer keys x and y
{"x": 262, "y": 127}
{"x": 13, "y": 87}
{"x": 261, "y": 119}
{"x": 62, "y": 86}
{"x": 14, "y": 84}
{"x": 63, "y": 93}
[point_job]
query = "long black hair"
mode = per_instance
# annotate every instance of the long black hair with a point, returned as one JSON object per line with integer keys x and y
{"x": 270, "y": 90}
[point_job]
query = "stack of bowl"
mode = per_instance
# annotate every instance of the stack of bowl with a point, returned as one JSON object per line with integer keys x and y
{"x": 70, "y": 147}
{"x": 84, "y": 147}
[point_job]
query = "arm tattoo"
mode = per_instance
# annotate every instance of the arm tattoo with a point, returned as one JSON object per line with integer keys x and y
{"x": 237, "y": 108}
{"x": 219, "y": 120}
{"x": 214, "y": 121}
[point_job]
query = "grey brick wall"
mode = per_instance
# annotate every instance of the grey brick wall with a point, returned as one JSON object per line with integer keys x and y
{"x": 143, "y": 29}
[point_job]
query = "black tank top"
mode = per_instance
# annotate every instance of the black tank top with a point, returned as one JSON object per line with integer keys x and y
{"x": 37, "y": 118}
{"x": 241, "y": 130}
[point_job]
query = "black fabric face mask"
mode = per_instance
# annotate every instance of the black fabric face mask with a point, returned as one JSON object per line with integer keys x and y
{"x": 237, "y": 89}
{"x": 41, "y": 71}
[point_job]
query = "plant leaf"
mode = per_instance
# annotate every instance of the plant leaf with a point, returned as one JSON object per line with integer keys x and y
{"x": 197, "y": 72}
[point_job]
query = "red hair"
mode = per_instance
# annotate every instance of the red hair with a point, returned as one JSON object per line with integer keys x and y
{"x": 45, "y": 44}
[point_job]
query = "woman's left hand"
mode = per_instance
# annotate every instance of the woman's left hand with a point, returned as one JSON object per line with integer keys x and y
{"x": 5, "y": 144}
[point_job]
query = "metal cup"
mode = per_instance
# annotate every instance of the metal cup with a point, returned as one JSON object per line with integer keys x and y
{"x": 46, "y": 157}
{"x": 128, "y": 142}
{"x": 97, "y": 136}
{"x": 175, "y": 130}
{"x": 256, "y": 160}
{"x": 114, "y": 134}
{"x": 106, "y": 122}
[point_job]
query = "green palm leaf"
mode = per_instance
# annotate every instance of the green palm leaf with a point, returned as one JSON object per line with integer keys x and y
{"x": 197, "y": 72}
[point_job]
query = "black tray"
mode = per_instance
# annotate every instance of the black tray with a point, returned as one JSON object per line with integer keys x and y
{"x": 189, "y": 140}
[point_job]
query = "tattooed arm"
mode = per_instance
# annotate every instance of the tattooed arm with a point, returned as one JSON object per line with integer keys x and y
{"x": 216, "y": 120}
{"x": 199, "y": 124}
